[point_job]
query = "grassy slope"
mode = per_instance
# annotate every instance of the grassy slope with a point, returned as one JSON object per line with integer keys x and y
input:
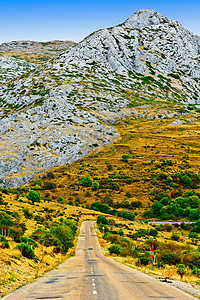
{"x": 147, "y": 142}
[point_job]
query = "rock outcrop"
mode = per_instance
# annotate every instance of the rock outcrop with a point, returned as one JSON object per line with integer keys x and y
{"x": 11, "y": 67}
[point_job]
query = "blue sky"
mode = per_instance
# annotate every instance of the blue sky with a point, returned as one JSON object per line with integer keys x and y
{"x": 73, "y": 20}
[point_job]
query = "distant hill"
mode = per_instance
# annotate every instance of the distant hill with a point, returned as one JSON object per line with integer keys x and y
{"x": 35, "y": 52}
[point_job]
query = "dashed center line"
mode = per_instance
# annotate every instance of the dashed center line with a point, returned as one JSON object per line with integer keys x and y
{"x": 94, "y": 292}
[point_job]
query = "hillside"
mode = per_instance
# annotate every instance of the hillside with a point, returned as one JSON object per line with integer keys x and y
{"x": 64, "y": 109}
{"x": 34, "y": 52}
{"x": 144, "y": 170}
{"x": 11, "y": 67}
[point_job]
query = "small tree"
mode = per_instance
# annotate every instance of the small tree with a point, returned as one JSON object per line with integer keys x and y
{"x": 194, "y": 237}
{"x": 60, "y": 199}
{"x": 102, "y": 220}
{"x": 26, "y": 250}
{"x": 86, "y": 181}
{"x": 95, "y": 185}
{"x": 115, "y": 249}
{"x": 125, "y": 157}
{"x": 181, "y": 270}
{"x": 186, "y": 180}
{"x": 175, "y": 236}
{"x": 34, "y": 196}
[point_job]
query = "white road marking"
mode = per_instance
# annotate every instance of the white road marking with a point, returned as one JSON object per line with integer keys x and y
{"x": 93, "y": 284}
{"x": 94, "y": 292}
{"x": 93, "y": 279}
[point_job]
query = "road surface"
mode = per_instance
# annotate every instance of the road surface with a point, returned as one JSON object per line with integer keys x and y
{"x": 91, "y": 276}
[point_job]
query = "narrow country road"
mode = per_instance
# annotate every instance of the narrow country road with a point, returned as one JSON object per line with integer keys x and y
{"x": 90, "y": 275}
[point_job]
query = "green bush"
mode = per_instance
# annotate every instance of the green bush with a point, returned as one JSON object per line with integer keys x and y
{"x": 170, "y": 258}
{"x": 86, "y": 181}
{"x": 28, "y": 241}
{"x": 125, "y": 157}
{"x": 95, "y": 185}
{"x": 5, "y": 243}
{"x": 186, "y": 180}
{"x": 5, "y": 219}
{"x": 127, "y": 215}
{"x": 175, "y": 236}
{"x": 153, "y": 232}
{"x": 64, "y": 234}
{"x": 102, "y": 220}
{"x": 181, "y": 270}
{"x": 60, "y": 199}
{"x": 70, "y": 224}
{"x": 115, "y": 249}
{"x": 26, "y": 250}
{"x": 193, "y": 214}
{"x": 144, "y": 259}
{"x": 34, "y": 196}
{"x": 27, "y": 213}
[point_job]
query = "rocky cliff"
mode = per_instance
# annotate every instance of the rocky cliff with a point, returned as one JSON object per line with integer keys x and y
{"x": 64, "y": 109}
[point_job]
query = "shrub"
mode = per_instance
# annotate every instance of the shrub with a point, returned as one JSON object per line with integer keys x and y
{"x": 175, "y": 236}
{"x": 127, "y": 215}
{"x": 193, "y": 201}
{"x": 144, "y": 259}
{"x": 100, "y": 207}
{"x": 26, "y": 250}
{"x": 125, "y": 157}
{"x": 5, "y": 243}
{"x": 181, "y": 270}
{"x": 50, "y": 175}
{"x": 115, "y": 249}
{"x": 49, "y": 185}
{"x": 28, "y": 241}
{"x": 153, "y": 232}
{"x": 27, "y": 213}
{"x": 60, "y": 199}
{"x": 71, "y": 224}
{"x": 121, "y": 233}
{"x": 136, "y": 204}
{"x": 5, "y": 219}
{"x": 64, "y": 234}
{"x": 15, "y": 233}
{"x": 34, "y": 196}
{"x": 186, "y": 180}
{"x": 86, "y": 181}
{"x": 102, "y": 220}
{"x": 170, "y": 258}
{"x": 95, "y": 185}
{"x": 193, "y": 214}
{"x": 194, "y": 237}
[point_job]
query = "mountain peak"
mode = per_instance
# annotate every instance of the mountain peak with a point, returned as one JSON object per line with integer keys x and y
{"x": 145, "y": 17}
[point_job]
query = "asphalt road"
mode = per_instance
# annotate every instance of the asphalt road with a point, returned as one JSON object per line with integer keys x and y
{"x": 90, "y": 275}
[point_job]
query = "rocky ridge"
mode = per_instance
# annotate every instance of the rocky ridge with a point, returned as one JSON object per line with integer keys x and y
{"x": 11, "y": 67}
{"x": 64, "y": 109}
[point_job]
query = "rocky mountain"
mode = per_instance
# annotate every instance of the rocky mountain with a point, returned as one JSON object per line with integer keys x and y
{"x": 35, "y": 52}
{"x": 11, "y": 67}
{"x": 64, "y": 109}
